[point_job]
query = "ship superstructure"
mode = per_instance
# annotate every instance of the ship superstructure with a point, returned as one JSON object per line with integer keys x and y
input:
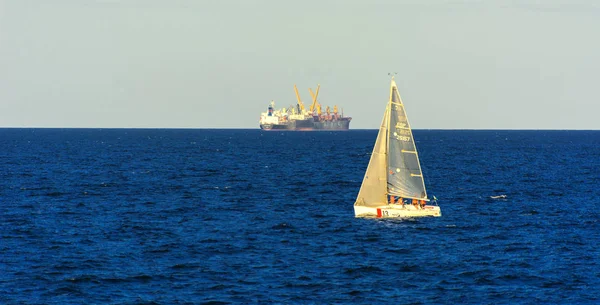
{"x": 297, "y": 117}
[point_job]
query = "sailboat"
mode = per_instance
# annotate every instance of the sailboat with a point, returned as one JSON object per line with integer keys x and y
{"x": 393, "y": 184}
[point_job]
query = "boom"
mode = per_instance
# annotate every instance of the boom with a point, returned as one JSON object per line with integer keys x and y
{"x": 298, "y": 97}
{"x": 314, "y": 97}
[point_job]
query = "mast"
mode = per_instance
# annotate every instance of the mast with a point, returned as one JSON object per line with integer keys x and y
{"x": 387, "y": 137}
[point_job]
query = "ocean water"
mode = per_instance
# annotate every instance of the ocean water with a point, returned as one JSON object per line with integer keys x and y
{"x": 143, "y": 216}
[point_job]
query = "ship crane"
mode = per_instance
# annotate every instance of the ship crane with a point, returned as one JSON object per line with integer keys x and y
{"x": 314, "y": 98}
{"x": 302, "y": 109}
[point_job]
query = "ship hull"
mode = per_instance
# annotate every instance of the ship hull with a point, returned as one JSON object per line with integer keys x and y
{"x": 307, "y": 125}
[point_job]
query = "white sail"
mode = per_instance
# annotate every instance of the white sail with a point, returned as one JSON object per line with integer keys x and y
{"x": 404, "y": 175}
{"x": 374, "y": 186}
{"x": 394, "y": 170}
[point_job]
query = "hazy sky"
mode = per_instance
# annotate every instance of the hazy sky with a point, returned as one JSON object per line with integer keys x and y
{"x": 216, "y": 64}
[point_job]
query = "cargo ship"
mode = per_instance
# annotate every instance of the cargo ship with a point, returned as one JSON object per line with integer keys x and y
{"x": 297, "y": 117}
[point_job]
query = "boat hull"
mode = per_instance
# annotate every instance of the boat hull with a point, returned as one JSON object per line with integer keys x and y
{"x": 397, "y": 210}
{"x": 343, "y": 124}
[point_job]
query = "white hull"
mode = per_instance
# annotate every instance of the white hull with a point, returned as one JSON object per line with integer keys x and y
{"x": 397, "y": 210}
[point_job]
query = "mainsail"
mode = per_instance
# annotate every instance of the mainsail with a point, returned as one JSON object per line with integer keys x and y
{"x": 404, "y": 176}
{"x": 394, "y": 167}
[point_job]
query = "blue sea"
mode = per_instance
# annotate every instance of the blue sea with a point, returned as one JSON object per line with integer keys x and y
{"x": 201, "y": 216}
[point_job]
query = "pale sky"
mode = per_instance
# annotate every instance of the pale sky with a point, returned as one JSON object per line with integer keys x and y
{"x": 216, "y": 64}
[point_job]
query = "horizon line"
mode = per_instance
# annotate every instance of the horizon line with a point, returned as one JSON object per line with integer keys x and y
{"x": 283, "y": 130}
